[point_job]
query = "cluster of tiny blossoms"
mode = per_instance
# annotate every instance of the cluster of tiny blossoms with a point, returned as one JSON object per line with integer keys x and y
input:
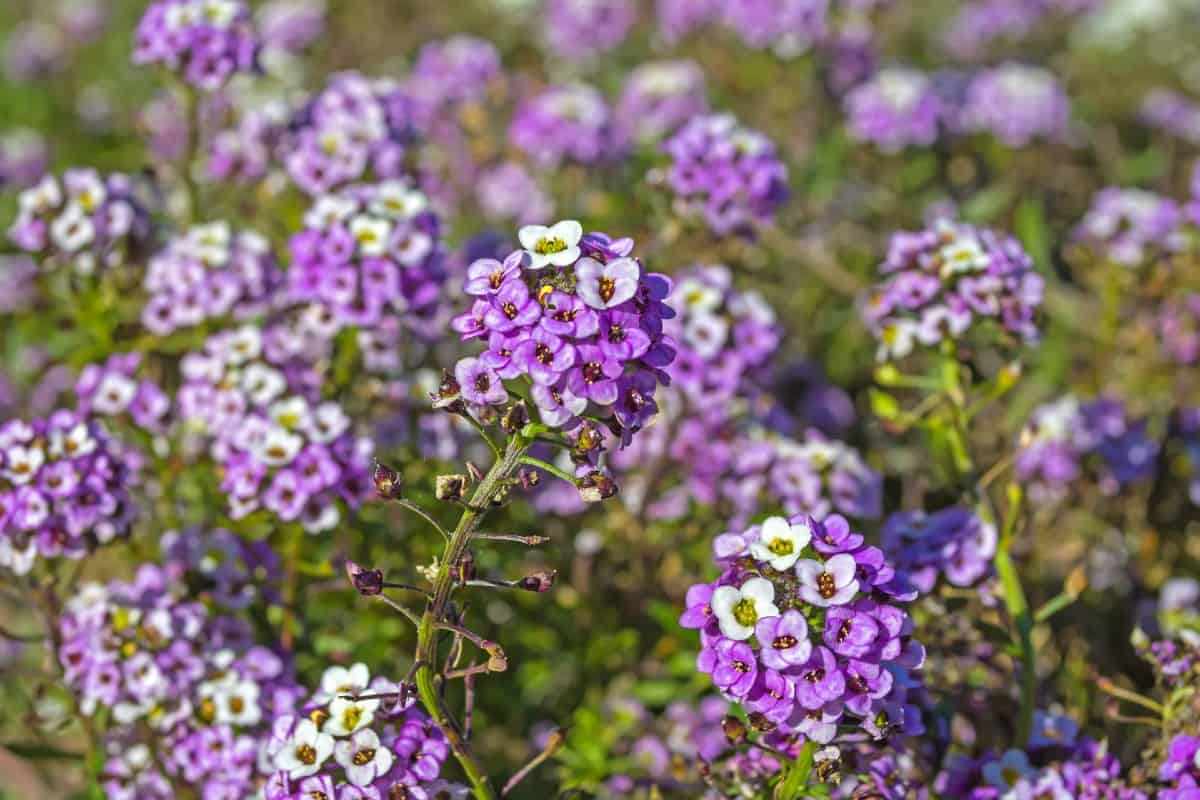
{"x": 64, "y": 488}
{"x": 356, "y": 739}
{"x": 449, "y": 73}
{"x": 954, "y": 543}
{"x": 574, "y": 315}
{"x": 114, "y": 389}
{"x": 802, "y": 630}
{"x": 206, "y": 41}
{"x": 724, "y": 173}
{"x": 209, "y": 272}
{"x": 572, "y": 122}
{"x": 940, "y": 280}
{"x": 787, "y": 27}
{"x": 898, "y": 107}
{"x": 659, "y": 96}
{"x": 1179, "y": 328}
{"x": 1016, "y": 103}
{"x": 1065, "y": 437}
{"x": 85, "y": 220}
{"x": 277, "y": 447}
{"x": 368, "y": 253}
{"x": 178, "y": 681}
{"x": 606, "y": 23}
{"x": 1128, "y": 226}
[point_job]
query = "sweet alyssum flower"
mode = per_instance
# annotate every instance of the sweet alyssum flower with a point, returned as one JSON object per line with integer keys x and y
{"x": 954, "y": 543}
{"x": 576, "y": 316}
{"x": 572, "y": 122}
{"x": 659, "y": 96}
{"x": 938, "y": 282}
{"x": 813, "y": 645}
{"x": 1128, "y": 226}
{"x": 579, "y": 29}
{"x": 449, "y": 73}
{"x": 84, "y": 220}
{"x": 728, "y": 175}
{"x": 206, "y": 41}
{"x": 897, "y": 108}
{"x": 1016, "y": 103}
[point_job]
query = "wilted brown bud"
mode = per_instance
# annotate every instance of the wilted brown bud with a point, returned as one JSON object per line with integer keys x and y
{"x": 367, "y": 582}
{"x": 464, "y": 568}
{"x": 540, "y": 581}
{"x": 734, "y": 729}
{"x": 588, "y": 440}
{"x": 388, "y": 482}
{"x": 497, "y": 661}
{"x": 515, "y": 418}
{"x": 556, "y": 740}
{"x": 529, "y": 478}
{"x": 473, "y": 472}
{"x": 450, "y": 487}
{"x": 760, "y": 723}
{"x": 596, "y": 486}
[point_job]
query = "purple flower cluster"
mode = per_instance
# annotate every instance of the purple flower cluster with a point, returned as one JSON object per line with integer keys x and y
{"x": 449, "y": 73}
{"x": 1126, "y": 226}
{"x": 178, "y": 681}
{"x": 351, "y": 126}
{"x": 370, "y": 253}
{"x": 85, "y": 220}
{"x": 64, "y": 488}
{"x": 1185, "y": 429}
{"x": 677, "y": 18}
{"x": 1181, "y": 769}
{"x": 277, "y": 447}
{"x": 244, "y": 152}
{"x": 206, "y": 41}
{"x": 979, "y": 23}
{"x": 356, "y": 739}
{"x": 1061, "y": 435}
{"x": 897, "y": 108}
{"x": 220, "y": 567}
{"x": 578, "y": 317}
{"x": 802, "y": 628}
{"x": 660, "y": 96}
{"x": 206, "y": 273}
{"x": 290, "y": 25}
{"x": 507, "y": 192}
{"x": 938, "y": 281}
{"x": 954, "y": 543}
{"x": 787, "y": 27}
{"x": 113, "y": 389}
{"x": 1016, "y": 103}
{"x": 1179, "y": 328}
{"x": 582, "y": 29}
{"x": 572, "y": 122}
{"x": 23, "y": 158}
{"x": 1172, "y": 112}
{"x": 728, "y": 175}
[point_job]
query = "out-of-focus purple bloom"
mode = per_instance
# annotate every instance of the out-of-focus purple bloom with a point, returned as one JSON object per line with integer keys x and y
{"x": 581, "y": 29}
{"x": 206, "y": 41}
{"x": 23, "y": 158}
{"x": 507, "y": 192}
{"x": 896, "y": 108}
{"x": 954, "y": 543}
{"x": 659, "y": 96}
{"x": 567, "y": 123}
{"x": 1128, "y": 225}
{"x": 1017, "y": 103}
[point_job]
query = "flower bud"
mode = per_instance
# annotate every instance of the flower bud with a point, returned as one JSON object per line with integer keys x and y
{"x": 388, "y": 482}
{"x": 514, "y": 419}
{"x": 540, "y": 581}
{"x": 760, "y": 723}
{"x": 450, "y": 487}
{"x": 596, "y": 486}
{"x": 367, "y": 582}
{"x": 497, "y": 661}
{"x": 464, "y": 568}
{"x": 734, "y": 729}
{"x": 528, "y": 478}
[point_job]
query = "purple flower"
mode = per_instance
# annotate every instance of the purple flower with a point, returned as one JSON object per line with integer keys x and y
{"x": 736, "y": 668}
{"x": 512, "y": 307}
{"x": 820, "y": 681}
{"x": 784, "y": 640}
{"x": 545, "y": 356}
{"x": 606, "y": 285}
{"x": 480, "y": 384}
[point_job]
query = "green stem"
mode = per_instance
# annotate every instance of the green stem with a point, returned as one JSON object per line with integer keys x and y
{"x": 1018, "y": 609}
{"x": 485, "y": 492}
{"x": 553, "y": 470}
{"x": 191, "y": 107}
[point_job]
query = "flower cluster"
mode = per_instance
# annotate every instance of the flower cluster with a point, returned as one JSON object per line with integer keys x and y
{"x": 220, "y": 567}
{"x": 277, "y": 448}
{"x": 1173, "y": 113}
{"x": 84, "y": 220}
{"x": 954, "y": 543}
{"x": 352, "y": 125}
{"x": 572, "y": 122}
{"x": 660, "y": 96}
{"x": 897, "y": 108}
{"x": 114, "y": 388}
{"x": 23, "y": 157}
{"x": 368, "y": 253}
{"x": 1128, "y": 225}
{"x": 1179, "y": 328}
{"x": 64, "y": 488}
{"x": 787, "y": 27}
{"x": 1016, "y": 103}
{"x": 941, "y": 279}
{"x": 1061, "y": 435}
{"x": 576, "y": 316}
{"x": 206, "y": 273}
{"x": 507, "y": 192}
{"x": 206, "y": 41}
{"x": 802, "y": 629}
{"x": 728, "y": 175}
{"x": 579, "y": 29}
{"x": 356, "y": 738}
{"x": 1181, "y": 769}
{"x": 449, "y": 73}
{"x": 178, "y": 681}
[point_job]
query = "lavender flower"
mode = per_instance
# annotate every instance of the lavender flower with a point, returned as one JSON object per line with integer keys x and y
{"x": 582, "y": 29}
{"x": 896, "y": 108}
{"x": 1017, "y": 103}
{"x": 788, "y": 27}
{"x": 728, "y": 175}
{"x": 23, "y": 158}
{"x": 567, "y": 123}
{"x": 206, "y": 41}
{"x": 1128, "y": 225}
{"x": 448, "y": 74}
{"x": 940, "y": 280}
{"x": 1172, "y": 112}
{"x": 509, "y": 193}
{"x": 660, "y": 96}
{"x": 954, "y": 543}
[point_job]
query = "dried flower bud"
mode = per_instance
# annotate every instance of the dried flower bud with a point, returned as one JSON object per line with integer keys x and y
{"x": 464, "y": 568}
{"x": 473, "y": 472}
{"x": 450, "y": 487}
{"x": 388, "y": 482}
{"x": 596, "y": 486}
{"x": 760, "y": 723}
{"x": 514, "y": 419}
{"x": 555, "y": 741}
{"x": 448, "y": 394}
{"x": 497, "y": 661}
{"x": 367, "y": 582}
{"x": 528, "y": 478}
{"x": 589, "y": 439}
{"x": 540, "y": 581}
{"x": 735, "y": 730}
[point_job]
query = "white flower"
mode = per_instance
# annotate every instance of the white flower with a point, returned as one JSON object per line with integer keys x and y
{"x": 19, "y": 560}
{"x": 85, "y": 190}
{"x": 897, "y": 339}
{"x": 556, "y": 246}
{"x": 41, "y": 198}
{"x": 235, "y": 701}
{"x": 698, "y": 297}
{"x": 412, "y": 248}
{"x": 396, "y": 200}
{"x": 262, "y": 383}
{"x": 327, "y": 210}
{"x": 219, "y": 13}
{"x": 327, "y": 423}
{"x": 340, "y": 680}
{"x": 278, "y": 447}
{"x": 291, "y": 413}
{"x": 963, "y": 253}
{"x": 72, "y": 230}
{"x": 738, "y": 610}
{"x": 210, "y": 243}
{"x": 22, "y": 463}
{"x": 243, "y": 345}
{"x": 114, "y": 393}
{"x": 305, "y": 751}
{"x": 780, "y": 542}
{"x": 363, "y": 757}
{"x": 371, "y": 234}
{"x": 347, "y": 715}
